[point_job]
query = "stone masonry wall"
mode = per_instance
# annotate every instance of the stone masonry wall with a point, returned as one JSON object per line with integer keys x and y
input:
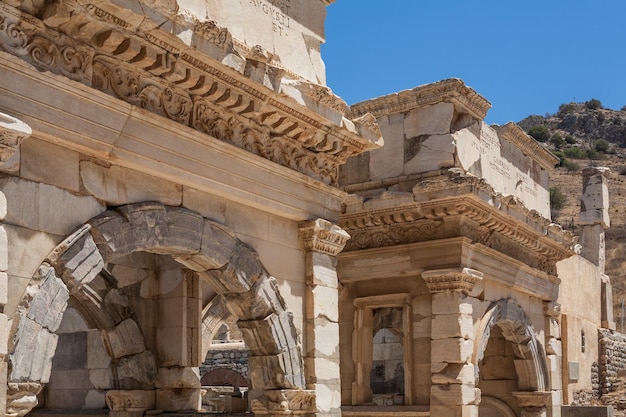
{"x": 235, "y": 359}
{"x": 612, "y": 359}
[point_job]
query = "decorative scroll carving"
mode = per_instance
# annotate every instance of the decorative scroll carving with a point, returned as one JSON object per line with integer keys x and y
{"x": 323, "y": 236}
{"x": 452, "y": 90}
{"x": 457, "y": 280}
{"x": 285, "y": 402}
{"x": 12, "y": 133}
{"x": 22, "y": 398}
{"x": 156, "y": 73}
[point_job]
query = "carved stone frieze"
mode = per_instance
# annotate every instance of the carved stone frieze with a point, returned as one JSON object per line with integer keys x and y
{"x": 99, "y": 48}
{"x": 516, "y": 135}
{"x": 285, "y": 402}
{"x": 323, "y": 236}
{"x": 12, "y": 133}
{"x": 455, "y": 280}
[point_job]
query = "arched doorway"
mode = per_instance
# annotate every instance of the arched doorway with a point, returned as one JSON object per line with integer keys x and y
{"x": 184, "y": 248}
{"x": 508, "y": 359}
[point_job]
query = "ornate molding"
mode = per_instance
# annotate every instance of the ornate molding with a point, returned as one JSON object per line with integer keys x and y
{"x": 323, "y": 236}
{"x": 501, "y": 223}
{"x": 452, "y": 280}
{"x": 154, "y": 71}
{"x": 514, "y": 134}
{"x": 452, "y": 90}
{"x": 12, "y": 134}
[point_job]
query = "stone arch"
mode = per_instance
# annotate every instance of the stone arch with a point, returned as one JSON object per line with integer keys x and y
{"x": 223, "y": 376}
{"x": 492, "y": 407}
{"x": 530, "y": 365}
{"x": 209, "y": 249}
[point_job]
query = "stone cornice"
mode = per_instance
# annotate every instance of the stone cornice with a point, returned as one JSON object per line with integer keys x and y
{"x": 12, "y": 133}
{"x": 501, "y": 223}
{"x": 155, "y": 71}
{"x": 452, "y": 90}
{"x": 452, "y": 280}
{"x": 323, "y": 236}
{"x": 514, "y": 134}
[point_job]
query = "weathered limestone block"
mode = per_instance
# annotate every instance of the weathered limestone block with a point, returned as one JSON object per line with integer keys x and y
{"x": 49, "y": 302}
{"x": 327, "y": 398}
{"x": 3, "y": 380}
{"x": 101, "y": 379}
{"x": 324, "y": 370}
{"x": 272, "y": 334}
{"x": 241, "y": 272}
{"x": 81, "y": 262}
{"x": 130, "y": 400}
{"x": 278, "y": 371}
{"x": 117, "y": 185}
{"x": 453, "y": 350}
{"x": 126, "y": 275}
{"x": 31, "y": 361}
{"x": 4, "y": 249}
{"x": 424, "y": 154}
{"x": 594, "y": 204}
{"x": 429, "y": 120}
{"x": 46, "y": 208}
{"x": 218, "y": 245}
{"x": 137, "y": 371}
{"x": 178, "y": 377}
{"x": 4, "y": 336}
{"x": 452, "y": 373}
{"x": 49, "y": 163}
{"x": 554, "y": 371}
{"x": 126, "y": 339}
{"x": 21, "y": 398}
{"x": 180, "y": 399}
{"x": 95, "y": 400}
{"x": 322, "y": 301}
{"x": 4, "y": 289}
{"x": 284, "y": 402}
{"x": 592, "y": 239}
{"x": 534, "y": 412}
{"x": 324, "y": 269}
{"x": 452, "y": 326}
{"x": 388, "y": 161}
{"x": 454, "y": 394}
{"x": 322, "y": 338}
{"x": 258, "y": 303}
{"x": 442, "y": 410}
{"x": 553, "y": 347}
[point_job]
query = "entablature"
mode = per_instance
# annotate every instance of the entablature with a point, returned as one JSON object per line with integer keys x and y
{"x": 451, "y": 90}
{"x": 516, "y": 135}
{"x": 452, "y": 206}
{"x": 108, "y": 48}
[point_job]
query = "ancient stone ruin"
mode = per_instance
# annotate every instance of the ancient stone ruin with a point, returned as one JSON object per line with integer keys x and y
{"x": 192, "y": 222}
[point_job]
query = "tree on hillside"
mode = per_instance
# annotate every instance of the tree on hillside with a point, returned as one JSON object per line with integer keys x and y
{"x": 539, "y": 132}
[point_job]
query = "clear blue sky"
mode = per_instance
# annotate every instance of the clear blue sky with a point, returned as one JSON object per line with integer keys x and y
{"x": 525, "y": 57}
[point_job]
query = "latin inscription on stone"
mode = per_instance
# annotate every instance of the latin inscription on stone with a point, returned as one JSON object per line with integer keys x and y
{"x": 278, "y": 10}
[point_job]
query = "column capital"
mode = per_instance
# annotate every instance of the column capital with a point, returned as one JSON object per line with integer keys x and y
{"x": 452, "y": 280}
{"x": 323, "y": 236}
{"x": 12, "y": 133}
{"x": 552, "y": 309}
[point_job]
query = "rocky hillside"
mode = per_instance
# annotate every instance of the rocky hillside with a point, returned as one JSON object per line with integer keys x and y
{"x": 586, "y": 134}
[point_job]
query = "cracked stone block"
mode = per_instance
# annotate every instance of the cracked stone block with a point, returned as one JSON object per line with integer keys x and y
{"x": 126, "y": 339}
{"x": 452, "y": 325}
{"x": 137, "y": 371}
{"x": 271, "y": 335}
{"x": 81, "y": 262}
{"x": 31, "y": 359}
{"x": 262, "y": 300}
{"x": 218, "y": 245}
{"x": 429, "y": 120}
{"x": 180, "y": 399}
{"x": 282, "y": 370}
{"x": 118, "y": 400}
{"x": 178, "y": 377}
{"x": 50, "y": 302}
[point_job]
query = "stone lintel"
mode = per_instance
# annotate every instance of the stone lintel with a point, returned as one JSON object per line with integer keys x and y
{"x": 452, "y": 90}
{"x": 452, "y": 279}
{"x": 12, "y": 133}
{"x": 323, "y": 236}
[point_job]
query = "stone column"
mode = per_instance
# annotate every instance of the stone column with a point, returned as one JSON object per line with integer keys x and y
{"x": 178, "y": 338}
{"x": 453, "y": 392}
{"x": 594, "y": 215}
{"x": 323, "y": 241}
{"x": 554, "y": 358}
{"x": 12, "y": 133}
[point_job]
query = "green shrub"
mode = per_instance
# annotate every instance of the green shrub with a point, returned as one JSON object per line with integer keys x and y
{"x": 567, "y": 108}
{"x": 575, "y": 152}
{"x": 561, "y": 157}
{"x": 539, "y": 132}
{"x": 593, "y": 104}
{"x": 569, "y": 139}
{"x": 557, "y": 199}
{"x": 570, "y": 165}
{"x": 601, "y": 145}
{"x": 557, "y": 140}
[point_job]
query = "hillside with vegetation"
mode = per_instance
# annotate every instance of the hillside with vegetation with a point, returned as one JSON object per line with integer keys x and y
{"x": 581, "y": 135}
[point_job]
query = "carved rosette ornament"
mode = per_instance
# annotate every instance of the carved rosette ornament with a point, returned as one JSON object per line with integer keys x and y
{"x": 452, "y": 280}
{"x": 12, "y": 133}
{"x": 323, "y": 236}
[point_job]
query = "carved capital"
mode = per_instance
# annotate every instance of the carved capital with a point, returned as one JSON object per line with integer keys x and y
{"x": 12, "y": 133}
{"x": 285, "y": 402}
{"x": 323, "y": 236}
{"x": 129, "y": 400}
{"x": 552, "y": 309}
{"x": 22, "y": 398}
{"x": 452, "y": 279}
